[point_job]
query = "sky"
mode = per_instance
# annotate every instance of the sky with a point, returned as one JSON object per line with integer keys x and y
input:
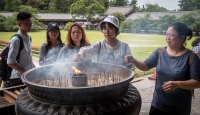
{"x": 168, "y": 4}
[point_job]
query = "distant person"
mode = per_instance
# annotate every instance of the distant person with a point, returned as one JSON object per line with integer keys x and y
{"x": 24, "y": 22}
{"x": 110, "y": 49}
{"x": 196, "y": 46}
{"x": 175, "y": 77}
{"x": 49, "y": 50}
{"x": 76, "y": 38}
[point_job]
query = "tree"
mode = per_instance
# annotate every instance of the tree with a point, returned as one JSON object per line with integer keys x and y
{"x": 11, "y": 5}
{"x": 118, "y": 3}
{"x": 43, "y": 5}
{"x": 134, "y": 4}
{"x": 34, "y": 3}
{"x": 192, "y": 20}
{"x": 105, "y": 3}
{"x": 2, "y": 5}
{"x": 189, "y": 5}
{"x": 127, "y": 26}
{"x": 2, "y": 19}
{"x": 87, "y": 9}
{"x": 60, "y": 6}
{"x": 143, "y": 23}
{"x": 120, "y": 16}
{"x": 67, "y": 26}
{"x": 154, "y": 8}
{"x": 164, "y": 22}
{"x": 11, "y": 23}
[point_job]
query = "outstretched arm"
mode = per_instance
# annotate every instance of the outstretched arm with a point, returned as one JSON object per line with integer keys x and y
{"x": 139, "y": 64}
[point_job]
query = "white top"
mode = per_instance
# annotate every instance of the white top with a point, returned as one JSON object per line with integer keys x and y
{"x": 102, "y": 52}
{"x": 196, "y": 49}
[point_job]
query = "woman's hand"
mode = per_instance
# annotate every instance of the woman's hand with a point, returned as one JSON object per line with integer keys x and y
{"x": 129, "y": 59}
{"x": 170, "y": 86}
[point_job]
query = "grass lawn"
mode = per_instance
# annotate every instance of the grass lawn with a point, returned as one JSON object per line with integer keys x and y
{"x": 141, "y": 44}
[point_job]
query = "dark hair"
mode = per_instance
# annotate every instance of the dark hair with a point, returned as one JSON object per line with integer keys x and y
{"x": 48, "y": 46}
{"x": 84, "y": 40}
{"x": 182, "y": 30}
{"x": 111, "y": 26}
{"x": 195, "y": 42}
{"x": 23, "y": 15}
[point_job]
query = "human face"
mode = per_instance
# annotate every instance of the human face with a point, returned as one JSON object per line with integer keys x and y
{"x": 172, "y": 38}
{"x": 53, "y": 33}
{"x": 25, "y": 25}
{"x": 108, "y": 32}
{"x": 76, "y": 34}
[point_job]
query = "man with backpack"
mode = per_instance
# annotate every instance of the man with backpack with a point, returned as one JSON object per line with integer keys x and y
{"x": 24, "y": 62}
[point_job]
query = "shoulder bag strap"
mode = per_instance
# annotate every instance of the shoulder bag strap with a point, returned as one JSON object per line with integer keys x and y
{"x": 192, "y": 54}
{"x": 160, "y": 50}
{"x": 99, "y": 51}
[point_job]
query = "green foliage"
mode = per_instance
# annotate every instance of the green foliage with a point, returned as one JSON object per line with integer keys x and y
{"x": 67, "y": 26}
{"x": 60, "y": 6}
{"x": 189, "y": 5}
{"x": 2, "y": 19}
{"x": 134, "y": 4}
{"x": 154, "y": 8}
{"x": 164, "y": 21}
{"x": 10, "y": 24}
{"x": 127, "y": 26}
{"x": 192, "y": 20}
{"x": 143, "y": 23}
{"x": 105, "y": 3}
{"x": 12, "y": 5}
{"x": 118, "y": 3}
{"x": 88, "y": 9}
{"x": 2, "y": 5}
{"x": 120, "y": 16}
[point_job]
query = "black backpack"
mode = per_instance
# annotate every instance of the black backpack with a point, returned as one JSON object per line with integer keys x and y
{"x": 5, "y": 70}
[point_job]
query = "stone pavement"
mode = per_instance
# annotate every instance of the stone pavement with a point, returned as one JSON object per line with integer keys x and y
{"x": 146, "y": 87}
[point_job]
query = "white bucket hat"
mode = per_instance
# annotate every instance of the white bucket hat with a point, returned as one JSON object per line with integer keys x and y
{"x": 113, "y": 20}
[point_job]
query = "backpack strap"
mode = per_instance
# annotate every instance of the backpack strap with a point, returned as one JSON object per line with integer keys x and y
{"x": 125, "y": 50}
{"x": 160, "y": 50}
{"x": 21, "y": 46}
{"x": 192, "y": 54}
{"x": 99, "y": 51}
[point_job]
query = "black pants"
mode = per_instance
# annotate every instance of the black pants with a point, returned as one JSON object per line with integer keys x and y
{"x": 154, "y": 111}
{"x": 13, "y": 82}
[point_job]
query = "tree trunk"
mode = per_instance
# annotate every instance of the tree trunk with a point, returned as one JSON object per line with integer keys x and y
{"x": 88, "y": 25}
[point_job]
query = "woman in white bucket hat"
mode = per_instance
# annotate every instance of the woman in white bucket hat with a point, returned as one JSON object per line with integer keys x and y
{"x": 108, "y": 50}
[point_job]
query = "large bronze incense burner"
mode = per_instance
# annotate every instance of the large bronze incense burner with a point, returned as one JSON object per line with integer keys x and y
{"x": 101, "y": 89}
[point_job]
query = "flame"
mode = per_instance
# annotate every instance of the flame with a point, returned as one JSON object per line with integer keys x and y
{"x": 78, "y": 72}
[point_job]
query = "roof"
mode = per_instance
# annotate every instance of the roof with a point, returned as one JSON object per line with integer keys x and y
{"x": 6, "y": 14}
{"x": 124, "y": 10}
{"x": 55, "y": 16}
{"x": 156, "y": 15}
